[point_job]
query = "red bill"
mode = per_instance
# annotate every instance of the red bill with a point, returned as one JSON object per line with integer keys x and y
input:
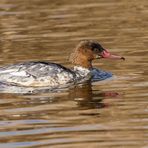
{"x": 107, "y": 55}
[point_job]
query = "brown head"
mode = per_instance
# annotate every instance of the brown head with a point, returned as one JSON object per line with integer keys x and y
{"x": 88, "y": 50}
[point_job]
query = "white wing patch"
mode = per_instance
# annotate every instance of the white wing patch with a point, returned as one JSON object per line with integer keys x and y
{"x": 19, "y": 73}
{"x": 7, "y": 71}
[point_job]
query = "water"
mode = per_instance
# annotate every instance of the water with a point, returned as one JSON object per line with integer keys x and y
{"x": 111, "y": 113}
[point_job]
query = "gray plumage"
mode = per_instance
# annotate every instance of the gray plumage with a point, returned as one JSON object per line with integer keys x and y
{"x": 36, "y": 74}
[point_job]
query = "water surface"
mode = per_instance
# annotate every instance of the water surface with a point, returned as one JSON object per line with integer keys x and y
{"x": 111, "y": 113}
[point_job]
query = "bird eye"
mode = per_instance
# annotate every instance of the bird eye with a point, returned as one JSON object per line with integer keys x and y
{"x": 95, "y": 49}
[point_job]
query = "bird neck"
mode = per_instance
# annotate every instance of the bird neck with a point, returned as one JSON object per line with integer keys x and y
{"x": 80, "y": 60}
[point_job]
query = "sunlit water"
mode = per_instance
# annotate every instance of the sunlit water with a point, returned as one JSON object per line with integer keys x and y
{"x": 106, "y": 114}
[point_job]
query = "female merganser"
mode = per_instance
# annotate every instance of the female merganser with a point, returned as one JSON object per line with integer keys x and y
{"x": 46, "y": 74}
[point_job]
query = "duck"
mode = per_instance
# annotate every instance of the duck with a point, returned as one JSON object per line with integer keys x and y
{"x": 48, "y": 74}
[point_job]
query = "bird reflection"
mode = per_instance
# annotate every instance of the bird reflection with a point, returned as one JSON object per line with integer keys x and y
{"x": 87, "y": 98}
{"x": 84, "y": 96}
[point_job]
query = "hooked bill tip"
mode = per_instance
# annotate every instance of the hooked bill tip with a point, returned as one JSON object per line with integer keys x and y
{"x": 123, "y": 58}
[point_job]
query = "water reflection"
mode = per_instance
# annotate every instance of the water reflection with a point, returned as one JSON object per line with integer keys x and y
{"x": 81, "y": 96}
{"x": 53, "y": 116}
{"x": 85, "y": 115}
{"x": 86, "y": 98}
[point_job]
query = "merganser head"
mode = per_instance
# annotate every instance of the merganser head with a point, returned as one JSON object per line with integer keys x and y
{"x": 88, "y": 50}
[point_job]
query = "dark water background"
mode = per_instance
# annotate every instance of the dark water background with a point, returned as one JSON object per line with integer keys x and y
{"x": 106, "y": 114}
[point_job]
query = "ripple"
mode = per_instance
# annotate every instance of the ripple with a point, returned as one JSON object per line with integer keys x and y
{"x": 110, "y": 113}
